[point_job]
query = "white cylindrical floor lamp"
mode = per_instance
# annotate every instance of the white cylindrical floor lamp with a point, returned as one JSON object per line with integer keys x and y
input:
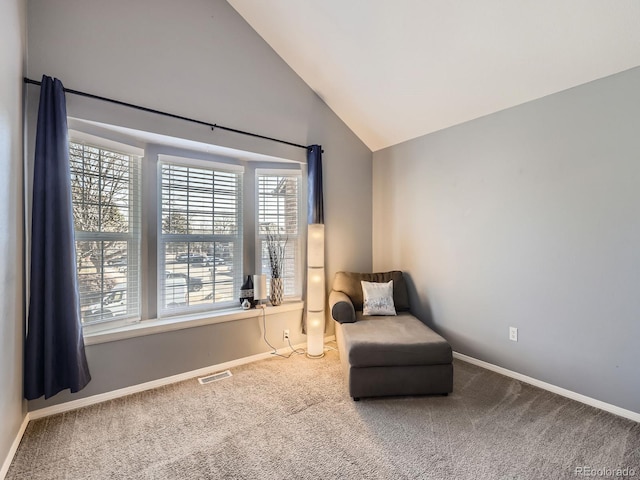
{"x": 315, "y": 291}
{"x": 315, "y": 254}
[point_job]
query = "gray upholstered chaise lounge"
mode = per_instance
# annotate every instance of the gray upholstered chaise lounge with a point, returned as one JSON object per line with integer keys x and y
{"x": 387, "y": 355}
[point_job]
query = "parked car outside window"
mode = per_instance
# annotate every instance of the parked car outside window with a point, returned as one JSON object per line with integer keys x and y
{"x": 113, "y": 304}
{"x": 193, "y": 258}
{"x": 194, "y": 283}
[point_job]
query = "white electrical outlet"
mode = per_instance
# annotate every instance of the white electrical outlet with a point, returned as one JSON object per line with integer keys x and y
{"x": 285, "y": 334}
{"x": 513, "y": 334}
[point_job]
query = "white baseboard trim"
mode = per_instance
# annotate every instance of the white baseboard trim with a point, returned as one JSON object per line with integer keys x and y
{"x": 578, "y": 397}
{"x": 14, "y": 447}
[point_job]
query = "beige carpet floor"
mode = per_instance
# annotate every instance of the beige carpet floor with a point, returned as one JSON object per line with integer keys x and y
{"x": 280, "y": 418}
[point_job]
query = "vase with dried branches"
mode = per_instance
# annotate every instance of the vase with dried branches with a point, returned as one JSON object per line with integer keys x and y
{"x": 276, "y": 248}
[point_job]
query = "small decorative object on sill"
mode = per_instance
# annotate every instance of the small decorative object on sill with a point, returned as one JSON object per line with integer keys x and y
{"x": 276, "y": 291}
{"x": 246, "y": 305}
{"x": 246, "y": 292}
{"x": 259, "y": 289}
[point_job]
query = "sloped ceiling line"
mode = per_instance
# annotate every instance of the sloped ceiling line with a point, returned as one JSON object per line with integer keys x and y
{"x": 396, "y": 70}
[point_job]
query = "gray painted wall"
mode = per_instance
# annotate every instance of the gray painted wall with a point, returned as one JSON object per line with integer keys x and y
{"x": 13, "y": 55}
{"x": 528, "y": 218}
{"x": 197, "y": 58}
{"x": 123, "y": 363}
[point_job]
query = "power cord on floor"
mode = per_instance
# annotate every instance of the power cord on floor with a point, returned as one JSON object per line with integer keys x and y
{"x": 328, "y": 347}
{"x": 297, "y": 351}
{"x": 294, "y": 351}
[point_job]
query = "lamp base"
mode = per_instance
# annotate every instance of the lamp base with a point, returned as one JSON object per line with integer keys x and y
{"x": 315, "y": 356}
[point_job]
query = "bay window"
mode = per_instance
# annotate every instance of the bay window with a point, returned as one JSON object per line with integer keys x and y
{"x": 184, "y": 224}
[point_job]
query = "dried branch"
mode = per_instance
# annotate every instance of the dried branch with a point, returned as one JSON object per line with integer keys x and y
{"x": 276, "y": 248}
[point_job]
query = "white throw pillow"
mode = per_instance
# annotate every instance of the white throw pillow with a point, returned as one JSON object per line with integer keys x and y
{"x": 378, "y": 298}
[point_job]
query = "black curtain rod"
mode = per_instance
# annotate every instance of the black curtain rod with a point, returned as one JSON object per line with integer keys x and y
{"x": 213, "y": 126}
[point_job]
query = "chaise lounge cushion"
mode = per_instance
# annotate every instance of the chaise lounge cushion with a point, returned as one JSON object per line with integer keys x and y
{"x": 393, "y": 341}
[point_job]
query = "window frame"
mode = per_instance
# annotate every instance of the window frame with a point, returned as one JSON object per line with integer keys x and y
{"x": 299, "y": 237}
{"x": 150, "y": 156}
{"x": 161, "y": 311}
{"x": 133, "y": 237}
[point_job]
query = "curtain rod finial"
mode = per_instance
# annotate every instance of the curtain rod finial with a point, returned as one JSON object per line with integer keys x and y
{"x": 310, "y": 147}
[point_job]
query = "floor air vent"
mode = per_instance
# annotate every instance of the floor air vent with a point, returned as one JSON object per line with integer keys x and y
{"x": 215, "y": 377}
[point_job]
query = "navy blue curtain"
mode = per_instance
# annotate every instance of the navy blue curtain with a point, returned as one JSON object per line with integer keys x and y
{"x": 54, "y": 350}
{"x": 315, "y": 211}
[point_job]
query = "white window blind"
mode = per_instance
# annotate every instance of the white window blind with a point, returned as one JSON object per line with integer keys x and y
{"x": 105, "y": 188}
{"x": 278, "y": 212}
{"x": 200, "y": 254}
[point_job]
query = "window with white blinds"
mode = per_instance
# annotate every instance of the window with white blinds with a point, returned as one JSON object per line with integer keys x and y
{"x": 200, "y": 247}
{"x": 105, "y": 189}
{"x": 191, "y": 219}
{"x": 278, "y": 194}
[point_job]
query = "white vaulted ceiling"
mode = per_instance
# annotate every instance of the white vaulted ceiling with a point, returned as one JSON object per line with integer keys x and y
{"x": 393, "y": 70}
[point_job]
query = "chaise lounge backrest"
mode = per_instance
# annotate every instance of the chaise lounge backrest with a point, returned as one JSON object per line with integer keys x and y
{"x": 346, "y": 294}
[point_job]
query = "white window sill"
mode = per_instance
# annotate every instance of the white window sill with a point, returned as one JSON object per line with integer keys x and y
{"x": 150, "y": 327}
